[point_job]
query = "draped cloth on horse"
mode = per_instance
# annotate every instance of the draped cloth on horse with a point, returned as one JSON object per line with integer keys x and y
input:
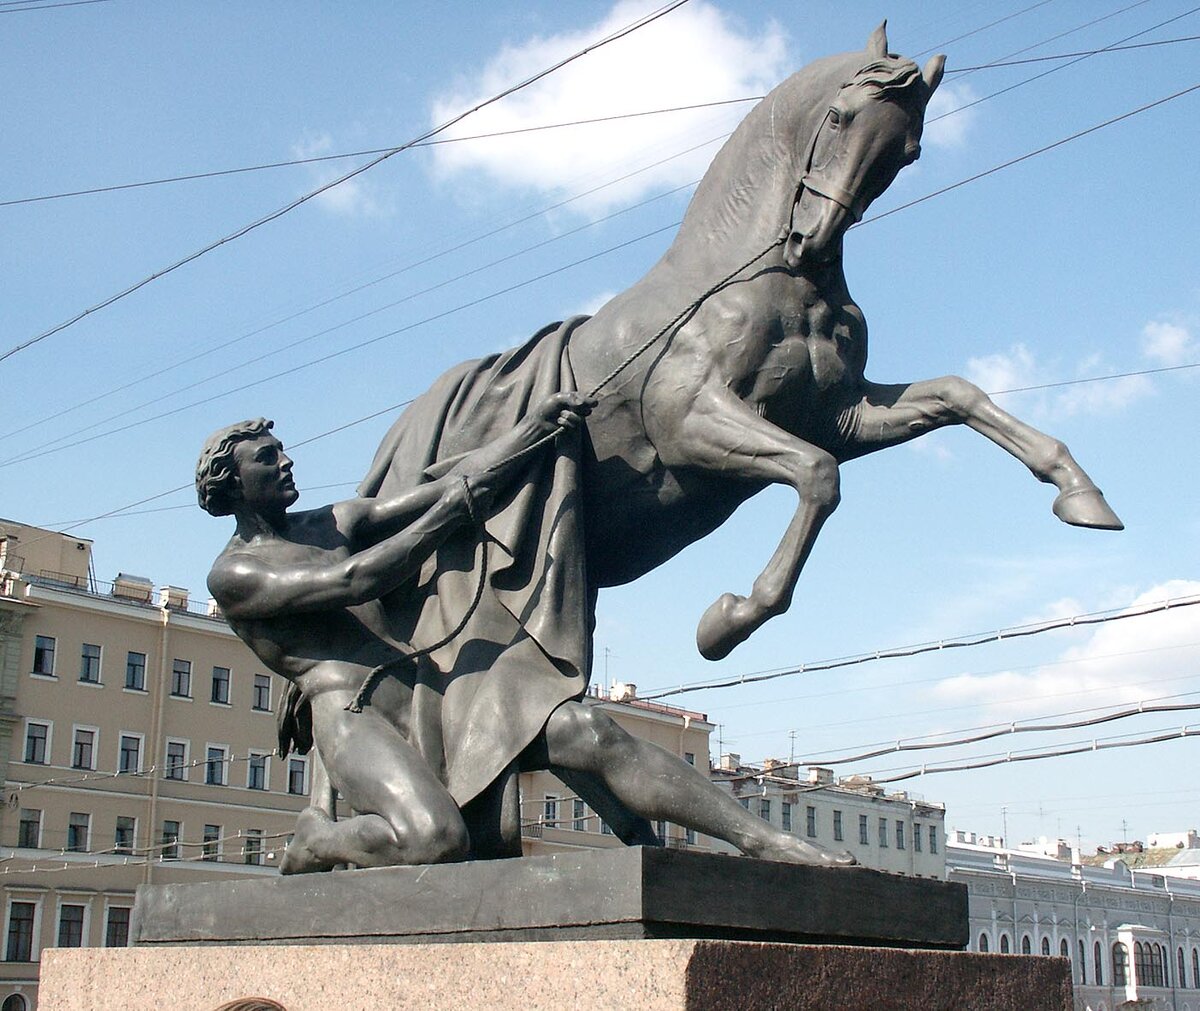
{"x": 478, "y": 701}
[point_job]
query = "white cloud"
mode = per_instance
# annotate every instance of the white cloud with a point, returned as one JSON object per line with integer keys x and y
{"x": 1119, "y": 662}
{"x": 354, "y": 198}
{"x": 1018, "y": 368}
{"x": 1168, "y": 344}
{"x": 696, "y": 54}
{"x": 952, "y": 125}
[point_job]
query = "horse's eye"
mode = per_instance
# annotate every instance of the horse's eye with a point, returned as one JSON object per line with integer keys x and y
{"x": 835, "y": 118}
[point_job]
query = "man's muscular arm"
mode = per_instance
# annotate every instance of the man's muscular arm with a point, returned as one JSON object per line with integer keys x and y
{"x": 249, "y": 584}
{"x": 488, "y": 470}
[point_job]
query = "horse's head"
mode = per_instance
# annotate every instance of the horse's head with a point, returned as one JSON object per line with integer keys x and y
{"x": 871, "y": 130}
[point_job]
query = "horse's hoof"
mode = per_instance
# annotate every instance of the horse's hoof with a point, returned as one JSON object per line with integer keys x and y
{"x": 719, "y": 630}
{"x": 1085, "y": 507}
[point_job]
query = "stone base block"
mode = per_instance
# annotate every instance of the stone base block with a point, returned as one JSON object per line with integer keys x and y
{"x": 648, "y": 975}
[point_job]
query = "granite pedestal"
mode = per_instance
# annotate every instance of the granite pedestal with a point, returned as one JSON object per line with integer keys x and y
{"x": 624, "y": 928}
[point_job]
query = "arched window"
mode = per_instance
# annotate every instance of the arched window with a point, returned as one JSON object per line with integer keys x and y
{"x": 1180, "y": 969}
{"x": 14, "y": 1002}
{"x": 1082, "y": 962}
{"x": 1097, "y": 964}
{"x": 1045, "y": 946}
{"x": 983, "y": 943}
{"x": 1158, "y": 965}
{"x": 1120, "y": 962}
{"x": 1026, "y": 945}
{"x": 1003, "y": 944}
{"x": 1195, "y": 969}
{"x": 1141, "y": 964}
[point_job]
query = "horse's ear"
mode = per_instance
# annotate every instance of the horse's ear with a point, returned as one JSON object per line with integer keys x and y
{"x": 933, "y": 71}
{"x": 877, "y": 44}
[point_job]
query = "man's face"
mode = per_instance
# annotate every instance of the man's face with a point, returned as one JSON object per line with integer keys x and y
{"x": 264, "y": 474}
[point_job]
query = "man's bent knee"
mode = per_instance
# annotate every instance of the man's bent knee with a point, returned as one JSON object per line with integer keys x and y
{"x": 430, "y": 840}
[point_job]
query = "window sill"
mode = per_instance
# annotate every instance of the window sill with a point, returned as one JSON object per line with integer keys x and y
{"x": 181, "y": 698}
{"x": 220, "y": 705}
{"x": 135, "y": 691}
{"x": 90, "y": 684}
{"x": 43, "y": 677}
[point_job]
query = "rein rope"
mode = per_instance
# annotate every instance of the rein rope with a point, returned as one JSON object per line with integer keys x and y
{"x": 362, "y": 696}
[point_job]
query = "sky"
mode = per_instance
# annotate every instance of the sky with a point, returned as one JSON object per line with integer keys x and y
{"x": 1078, "y": 262}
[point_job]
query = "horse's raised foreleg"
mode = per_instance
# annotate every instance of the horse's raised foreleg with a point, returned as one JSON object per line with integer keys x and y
{"x": 723, "y": 435}
{"x": 888, "y": 415}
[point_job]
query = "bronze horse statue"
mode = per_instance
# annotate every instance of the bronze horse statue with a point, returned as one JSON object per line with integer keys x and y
{"x": 764, "y": 381}
{"x": 737, "y": 362}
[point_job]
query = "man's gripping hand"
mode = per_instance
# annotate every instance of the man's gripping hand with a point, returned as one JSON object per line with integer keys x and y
{"x": 562, "y": 410}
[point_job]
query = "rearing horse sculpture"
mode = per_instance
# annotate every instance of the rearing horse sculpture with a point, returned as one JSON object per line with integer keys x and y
{"x": 764, "y": 382}
{"x": 736, "y": 362}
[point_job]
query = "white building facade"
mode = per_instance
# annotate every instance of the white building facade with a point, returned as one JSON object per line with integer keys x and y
{"x": 1132, "y": 936}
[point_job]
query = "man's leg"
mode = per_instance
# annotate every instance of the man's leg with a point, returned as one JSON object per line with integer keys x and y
{"x": 405, "y": 815}
{"x": 656, "y": 784}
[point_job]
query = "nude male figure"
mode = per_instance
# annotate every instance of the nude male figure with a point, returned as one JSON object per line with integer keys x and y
{"x": 302, "y": 590}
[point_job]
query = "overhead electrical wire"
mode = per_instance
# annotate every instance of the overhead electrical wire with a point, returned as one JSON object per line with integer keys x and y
{"x": 935, "y": 646}
{"x": 46, "y": 7}
{"x": 293, "y": 204}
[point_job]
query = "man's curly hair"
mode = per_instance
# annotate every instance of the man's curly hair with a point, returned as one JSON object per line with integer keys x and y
{"x": 215, "y": 469}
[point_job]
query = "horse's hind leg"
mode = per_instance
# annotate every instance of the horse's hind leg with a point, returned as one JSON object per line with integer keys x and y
{"x": 888, "y": 415}
{"x": 722, "y": 435}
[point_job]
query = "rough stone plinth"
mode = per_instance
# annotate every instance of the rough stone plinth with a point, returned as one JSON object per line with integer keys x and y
{"x": 615, "y": 894}
{"x": 596, "y": 975}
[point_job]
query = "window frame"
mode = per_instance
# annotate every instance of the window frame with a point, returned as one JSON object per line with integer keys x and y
{"x": 139, "y": 682}
{"x": 130, "y": 735}
{"x": 181, "y": 677}
{"x": 85, "y": 664}
{"x": 838, "y": 830}
{"x": 295, "y": 761}
{"x": 48, "y": 726}
{"x": 35, "y": 929}
{"x": 256, "y": 691}
{"x": 172, "y": 844}
{"x": 253, "y": 856}
{"x": 94, "y": 746}
{"x": 22, "y": 822}
{"x": 263, "y": 757}
{"x": 109, "y": 909}
{"x": 39, "y": 652}
{"x": 222, "y": 764}
{"x": 84, "y": 918}
{"x": 211, "y": 845}
{"x": 132, "y": 845}
{"x": 864, "y": 830}
{"x": 169, "y": 768}
{"x": 225, "y": 684}
{"x": 86, "y": 825}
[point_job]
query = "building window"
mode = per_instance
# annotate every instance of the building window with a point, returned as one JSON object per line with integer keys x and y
{"x": 916, "y": 838}
{"x": 578, "y": 815}
{"x": 116, "y": 930}
{"x": 256, "y": 772}
{"x": 78, "y": 828}
{"x": 864, "y": 838}
{"x": 689, "y": 836}
{"x": 1026, "y": 945}
{"x": 20, "y": 932}
{"x": 170, "y": 840}
{"x": 549, "y": 809}
{"x": 810, "y": 821}
{"x": 883, "y": 833}
{"x": 1046, "y": 947}
{"x": 1097, "y": 964}
{"x": 14, "y": 1002}
{"x": 1180, "y": 969}
{"x": 745, "y": 802}
{"x": 126, "y": 833}
{"x": 135, "y": 671}
{"x": 1004, "y": 944}
{"x": 181, "y": 679}
{"x": 983, "y": 943}
{"x": 70, "y": 925}
{"x": 1195, "y": 969}
{"x": 297, "y": 773}
{"x": 214, "y": 766}
{"x": 1120, "y": 964}
{"x": 1082, "y": 962}
{"x": 764, "y": 808}
{"x": 43, "y": 655}
{"x": 899, "y": 835}
{"x": 253, "y": 847}
{"x": 837, "y": 826}
{"x": 29, "y": 829}
{"x": 210, "y": 849}
{"x": 89, "y": 664}
{"x": 131, "y": 754}
{"x": 605, "y": 828}
{"x": 1156, "y": 964}
{"x": 220, "y": 686}
{"x": 933, "y": 838}
{"x": 660, "y": 830}
{"x": 83, "y": 753}
{"x": 37, "y": 743}
{"x": 785, "y": 816}
{"x": 689, "y": 757}
{"x": 262, "y": 693}
{"x": 176, "y": 760}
